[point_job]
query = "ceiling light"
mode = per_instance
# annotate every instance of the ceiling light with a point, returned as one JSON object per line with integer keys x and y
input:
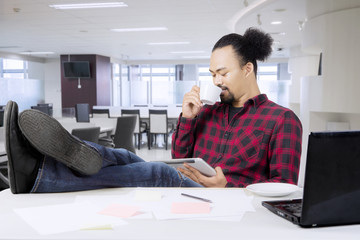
{"x": 9, "y": 46}
{"x": 276, "y": 22}
{"x": 195, "y": 56}
{"x": 168, "y": 43}
{"x": 88, "y": 5}
{"x": 36, "y": 53}
{"x": 185, "y": 52}
{"x": 139, "y": 29}
{"x": 278, "y": 33}
{"x": 280, "y": 10}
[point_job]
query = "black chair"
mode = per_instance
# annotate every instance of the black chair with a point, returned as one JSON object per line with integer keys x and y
{"x": 100, "y": 113}
{"x": 68, "y": 112}
{"x": 140, "y": 126}
{"x": 124, "y": 133}
{"x": 2, "y": 117}
{"x": 4, "y": 176}
{"x": 90, "y": 134}
{"x": 82, "y": 112}
{"x": 158, "y": 124}
{"x": 44, "y": 109}
{"x": 48, "y": 105}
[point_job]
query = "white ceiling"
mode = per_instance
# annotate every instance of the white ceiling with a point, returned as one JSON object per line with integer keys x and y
{"x": 31, "y": 25}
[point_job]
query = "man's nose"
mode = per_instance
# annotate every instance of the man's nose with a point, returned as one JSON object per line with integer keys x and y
{"x": 217, "y": 80}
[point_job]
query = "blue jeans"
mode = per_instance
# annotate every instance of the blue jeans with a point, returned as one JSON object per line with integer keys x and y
{"x": 120, "y": 168}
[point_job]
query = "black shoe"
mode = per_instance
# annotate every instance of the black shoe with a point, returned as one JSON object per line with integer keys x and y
{"x": 49, "y": 137}
{"x": 23, "y": 161}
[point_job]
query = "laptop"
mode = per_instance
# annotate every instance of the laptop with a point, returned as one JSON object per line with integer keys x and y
{"x": 332, "y": 183}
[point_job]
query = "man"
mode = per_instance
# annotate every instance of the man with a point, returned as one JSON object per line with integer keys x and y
{"x": 246, "y": 137}
{"x": 250, "y": 146}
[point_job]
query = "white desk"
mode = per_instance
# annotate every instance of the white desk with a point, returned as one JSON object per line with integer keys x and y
{"x": 261, "y": 224}
{"x": 107, "y": 125}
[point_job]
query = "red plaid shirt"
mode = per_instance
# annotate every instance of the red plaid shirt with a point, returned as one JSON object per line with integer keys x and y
{"x": 262, "y": 143}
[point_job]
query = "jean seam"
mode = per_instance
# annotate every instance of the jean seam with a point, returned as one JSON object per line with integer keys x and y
{"x": 38, "y": 179}
{"x": 181, "y": 178}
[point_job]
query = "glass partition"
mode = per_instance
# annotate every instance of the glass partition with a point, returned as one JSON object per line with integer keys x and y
{"x": 166, "y": 84}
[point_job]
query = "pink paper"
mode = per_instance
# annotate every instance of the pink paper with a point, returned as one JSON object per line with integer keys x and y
{"x": 190, "y": 207}
{"x": 117, "y": 210}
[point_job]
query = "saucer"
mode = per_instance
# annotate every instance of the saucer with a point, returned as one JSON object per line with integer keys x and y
{"x": 272, "y": 189}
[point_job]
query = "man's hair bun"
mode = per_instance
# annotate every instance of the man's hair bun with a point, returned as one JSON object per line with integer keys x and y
{"x": 256, "y": 44}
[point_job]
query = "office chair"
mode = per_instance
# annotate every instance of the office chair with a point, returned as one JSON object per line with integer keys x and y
{"x": 124, "y": 133}
{"x": 140, "y": 126}
{"x": 44, "y": 109}
{"x": 158, "y": 124}
{"x": 2, "y": 112}
{"x": 48, "y": 105}
{"x": 100, "y": 113}
{"x": 90, "y": 134}
{"x": 82, "y": 112}
{"x": 4, "y": 179}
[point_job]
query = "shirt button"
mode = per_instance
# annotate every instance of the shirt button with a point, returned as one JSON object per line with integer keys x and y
{"x": 226, "y": 135}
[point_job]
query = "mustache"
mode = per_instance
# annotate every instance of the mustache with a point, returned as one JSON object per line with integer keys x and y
{"x": 223, "y": 87}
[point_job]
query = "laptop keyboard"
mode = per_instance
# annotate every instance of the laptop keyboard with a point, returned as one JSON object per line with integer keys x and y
{"x": 294, "y": 208}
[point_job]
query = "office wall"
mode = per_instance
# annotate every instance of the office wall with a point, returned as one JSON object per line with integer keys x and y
{"x": 52, "y": 85}
{"x": 94, "y": 90}
{"x": 103, "y": 81}
{"x": 333, "y": 98}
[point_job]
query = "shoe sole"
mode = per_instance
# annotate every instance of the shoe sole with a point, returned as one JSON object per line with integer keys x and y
{"x": 49, "y": 137}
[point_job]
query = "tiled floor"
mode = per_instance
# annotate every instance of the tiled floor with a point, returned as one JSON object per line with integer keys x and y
{"x": 154, "y": 153}
{"x": 157, "y": 152}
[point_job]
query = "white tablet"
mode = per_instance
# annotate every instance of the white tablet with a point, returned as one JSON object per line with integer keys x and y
{"x": 197, "y": 163}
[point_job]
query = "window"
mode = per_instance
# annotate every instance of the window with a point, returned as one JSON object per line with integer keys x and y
{"x": 166, "y": 84}
{"x": 269, "y": 83}
{"x": 13, "y": 68}
{"x": 204, "y": 73}
{"x": 116, "y": 85}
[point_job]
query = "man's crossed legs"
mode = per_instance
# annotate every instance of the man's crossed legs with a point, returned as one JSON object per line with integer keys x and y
{"x": 44, "y": 157}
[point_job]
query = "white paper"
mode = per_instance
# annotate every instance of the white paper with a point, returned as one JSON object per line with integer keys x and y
{"x": 227, "y": 204}
{"x": 65, "y": 218}
{"x": 101, "y": 202}
{"x": 224, "y": 203}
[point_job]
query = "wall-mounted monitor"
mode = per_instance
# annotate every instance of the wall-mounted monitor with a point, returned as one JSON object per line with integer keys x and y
{"x": 78, "y": 69}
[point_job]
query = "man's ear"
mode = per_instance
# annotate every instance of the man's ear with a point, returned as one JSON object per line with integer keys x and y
{"x": 249, "y": 68}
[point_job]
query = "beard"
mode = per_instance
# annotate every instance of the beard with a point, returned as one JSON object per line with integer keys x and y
{"x": 229, "y": 99}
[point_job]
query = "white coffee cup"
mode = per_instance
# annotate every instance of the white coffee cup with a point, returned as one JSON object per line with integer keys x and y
{"x": 209, "y": 94}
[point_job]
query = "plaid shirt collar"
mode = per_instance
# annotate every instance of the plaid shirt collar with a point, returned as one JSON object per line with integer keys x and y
{"x": 255, "y": 101}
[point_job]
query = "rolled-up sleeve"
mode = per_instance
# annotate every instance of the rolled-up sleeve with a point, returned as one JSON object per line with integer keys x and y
{"x": 183, "y": 138}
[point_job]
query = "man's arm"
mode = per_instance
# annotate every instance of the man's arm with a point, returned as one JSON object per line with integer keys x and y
{"x": 285, "y": 150}
{"x": 183, "y": 138}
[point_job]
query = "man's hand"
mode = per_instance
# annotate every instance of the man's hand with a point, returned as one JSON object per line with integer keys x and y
{"x": 191, "y": 103}
{"x": 218, "y": 180}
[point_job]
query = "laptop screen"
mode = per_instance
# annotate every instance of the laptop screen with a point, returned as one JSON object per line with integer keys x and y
{"x": 332, "y": 179}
